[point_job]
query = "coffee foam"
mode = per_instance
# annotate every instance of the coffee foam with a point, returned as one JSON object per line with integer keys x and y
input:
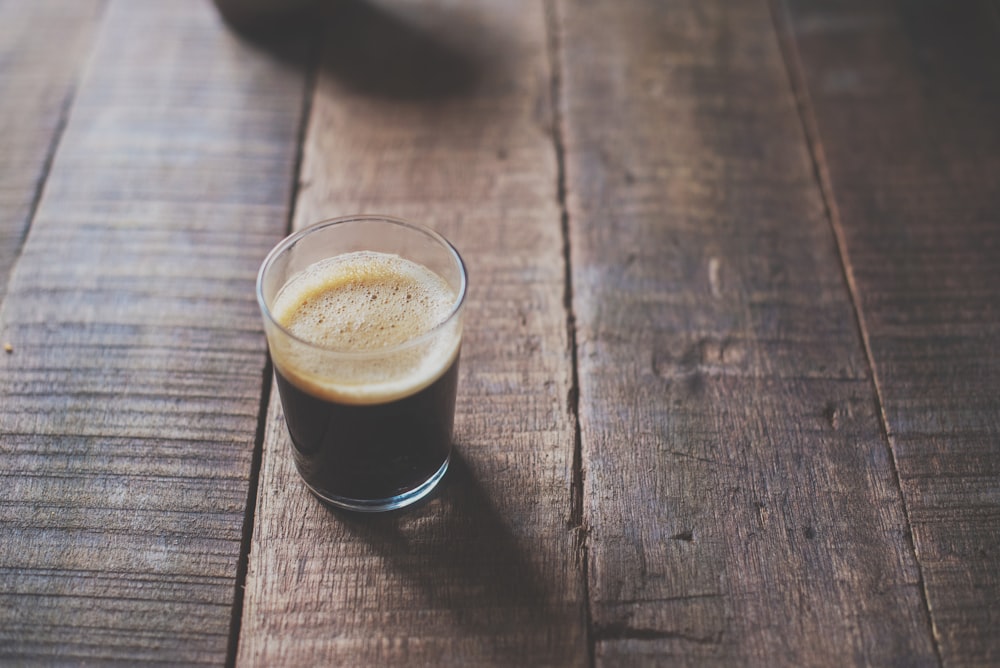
{"x": 353, "y": 307}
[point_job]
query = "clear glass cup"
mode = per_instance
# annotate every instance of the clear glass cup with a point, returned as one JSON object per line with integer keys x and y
{"x": 367, "y": 389}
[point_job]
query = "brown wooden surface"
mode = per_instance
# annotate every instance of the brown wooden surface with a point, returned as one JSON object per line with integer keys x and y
{"x": 741, "y": 503}
{"x": 129, "y": 405}
{"x": 904, "y": 100}
{"x": 36, "y": 88}
{"x": 485, "y": 573}
{"x": 729, "y": 385}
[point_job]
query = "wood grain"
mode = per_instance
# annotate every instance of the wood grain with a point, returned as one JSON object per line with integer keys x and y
{"x": 740, "y": 499}
{"x": 36, "y": 85}
{"x": 440, "y": 112}
{"x": 903, "y": 101}
{"x": 129, "y": 405}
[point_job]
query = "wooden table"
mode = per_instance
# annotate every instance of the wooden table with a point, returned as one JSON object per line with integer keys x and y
{"x": 730, "y": 391}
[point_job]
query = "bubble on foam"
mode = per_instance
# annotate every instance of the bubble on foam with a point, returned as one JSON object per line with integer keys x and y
{"x": 366, "y": 302}
{"x": 363, "y": 301}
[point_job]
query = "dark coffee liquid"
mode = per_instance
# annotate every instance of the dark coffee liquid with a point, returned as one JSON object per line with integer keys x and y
{"x": 370, "y": 451}
{"x": 372, "y": 420}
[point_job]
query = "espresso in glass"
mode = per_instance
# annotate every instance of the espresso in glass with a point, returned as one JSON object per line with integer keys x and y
{"x": 365, "y": 345}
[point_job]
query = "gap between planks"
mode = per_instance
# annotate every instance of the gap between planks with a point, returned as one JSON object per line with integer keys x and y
{"x": 577, "y": 523}
{"x": 312, "y": 59}
{"x": 65, "y": 107}
{"x": 806, "y": 112}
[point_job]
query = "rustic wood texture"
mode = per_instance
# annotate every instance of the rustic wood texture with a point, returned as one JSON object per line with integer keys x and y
{"x": 129, "y": 405}
{"x": 903, "y": 101}
{"x": 36, "y": 86}
{"x": 440, "y": 112}
{"x": 741, "y": 501}
{"x": 765, "y": 232}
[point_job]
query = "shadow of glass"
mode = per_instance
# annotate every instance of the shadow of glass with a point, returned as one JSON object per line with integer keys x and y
{"x": 459, "y": 553}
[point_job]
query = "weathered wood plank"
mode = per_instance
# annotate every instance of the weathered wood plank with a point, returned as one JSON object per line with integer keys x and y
{"x": 440, "y": 112}
{"x": 129, "y": 405}
{"x": 36, "y": 86}
{"x": 903, "y": 103}
{"x": 741, "y": 501}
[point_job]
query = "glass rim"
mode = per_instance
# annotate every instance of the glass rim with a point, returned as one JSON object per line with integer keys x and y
{"x": 297, "y": 236}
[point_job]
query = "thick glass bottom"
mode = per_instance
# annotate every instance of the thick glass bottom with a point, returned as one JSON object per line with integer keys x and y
{"x": 383, "y": 505}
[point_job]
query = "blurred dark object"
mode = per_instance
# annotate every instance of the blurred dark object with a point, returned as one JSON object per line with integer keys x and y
{"x": 253, "y": 16}
{"x": 389, "y": 50}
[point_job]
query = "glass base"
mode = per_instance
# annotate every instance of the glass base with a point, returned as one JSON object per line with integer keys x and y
{"x": 383, "y": 505}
